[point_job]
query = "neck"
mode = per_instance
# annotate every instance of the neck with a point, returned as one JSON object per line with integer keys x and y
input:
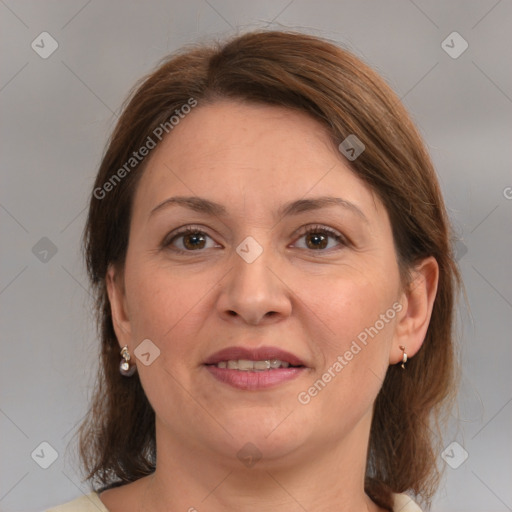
{"x": 326, "y": 478}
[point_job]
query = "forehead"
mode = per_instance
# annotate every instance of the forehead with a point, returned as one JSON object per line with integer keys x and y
{"x": 264, "y": 155}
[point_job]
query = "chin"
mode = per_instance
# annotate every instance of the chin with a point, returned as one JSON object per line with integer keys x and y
{"x": 274, "y": 436}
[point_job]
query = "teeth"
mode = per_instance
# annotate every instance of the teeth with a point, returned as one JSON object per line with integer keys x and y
{"x": 246, "y": 365}
{"x": 262, "y": 365}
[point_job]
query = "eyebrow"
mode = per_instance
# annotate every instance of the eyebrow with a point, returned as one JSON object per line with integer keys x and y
{"x": 202, "y": 205}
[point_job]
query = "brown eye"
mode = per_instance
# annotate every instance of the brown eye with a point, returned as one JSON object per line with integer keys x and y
{"x": 316, "y": 241}
{"x": 318, "y": 238}
{"x": 189, "y": 239}
{"x": 194, "y": 241}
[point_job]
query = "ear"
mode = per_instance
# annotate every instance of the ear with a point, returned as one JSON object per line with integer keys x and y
{"x": 117, "y": 298}
{"x": 417, "y": 301}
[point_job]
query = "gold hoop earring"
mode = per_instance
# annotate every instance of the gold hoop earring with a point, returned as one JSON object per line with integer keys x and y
{"x": 404, "y": 357}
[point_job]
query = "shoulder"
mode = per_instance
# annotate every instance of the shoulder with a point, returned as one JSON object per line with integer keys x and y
{"x": 404, "y": 503}
{"x": 86, "y": 503}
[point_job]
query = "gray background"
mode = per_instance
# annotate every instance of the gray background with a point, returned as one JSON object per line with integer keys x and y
{"x": 57, "y": 113}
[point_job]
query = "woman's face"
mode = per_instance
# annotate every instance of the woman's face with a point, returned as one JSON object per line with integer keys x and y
{"x": 248, "y": 276}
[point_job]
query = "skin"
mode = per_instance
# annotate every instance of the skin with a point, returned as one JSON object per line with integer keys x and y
{"x": 312, "y": 302}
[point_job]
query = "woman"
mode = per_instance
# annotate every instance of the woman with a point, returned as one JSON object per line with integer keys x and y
{"x": 275, "y": 287}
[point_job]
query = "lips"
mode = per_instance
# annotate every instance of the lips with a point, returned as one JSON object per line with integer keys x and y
{"x": 253, "y": 354}
{"x": 254, "y": 369}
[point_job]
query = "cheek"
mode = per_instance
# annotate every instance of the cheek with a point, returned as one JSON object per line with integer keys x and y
{"x": 354, "y": 356}
{"x": 165, "y": 304}
{"x": 165, "y": 308}
{"x": 359, "y": 319}
{"x": 352, "y": 306}
{"x": 154, "y": 308}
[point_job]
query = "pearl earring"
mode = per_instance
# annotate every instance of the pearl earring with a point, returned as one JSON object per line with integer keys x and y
{"x": 124, "y": 367}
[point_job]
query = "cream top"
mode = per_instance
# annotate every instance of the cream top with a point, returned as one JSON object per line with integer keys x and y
{"x": 92, "y": 503}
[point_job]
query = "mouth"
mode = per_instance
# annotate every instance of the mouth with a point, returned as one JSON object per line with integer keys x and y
{"x": 254, "y": 369}
{"x": 246, "y": 365}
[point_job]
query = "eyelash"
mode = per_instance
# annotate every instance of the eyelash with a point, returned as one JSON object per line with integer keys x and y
{"x": 324, "y": 230}
{"x": 316, "y": 229}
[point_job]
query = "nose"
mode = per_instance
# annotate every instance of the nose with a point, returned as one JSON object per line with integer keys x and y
{"x": 253, "y": 293}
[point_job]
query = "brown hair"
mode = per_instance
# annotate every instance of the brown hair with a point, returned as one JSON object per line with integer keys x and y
{"x": 306, "y": 73}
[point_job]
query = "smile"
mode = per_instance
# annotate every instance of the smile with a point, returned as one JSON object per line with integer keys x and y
{"x": 254, "y": 369}
{"x": 246, "y": 365}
